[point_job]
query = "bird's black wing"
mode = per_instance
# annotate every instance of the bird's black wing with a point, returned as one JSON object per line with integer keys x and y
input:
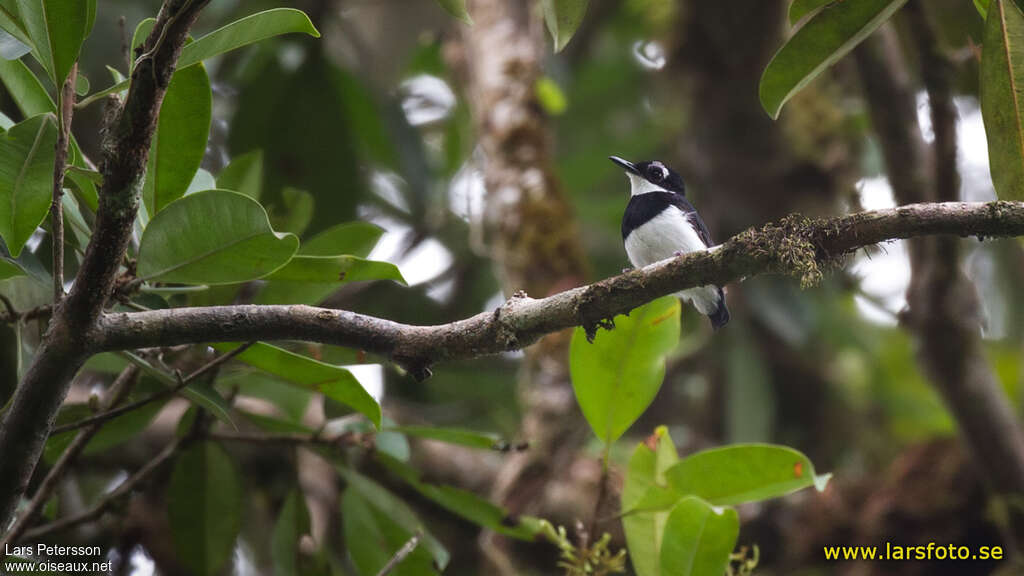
{"x": 680, "y": 201}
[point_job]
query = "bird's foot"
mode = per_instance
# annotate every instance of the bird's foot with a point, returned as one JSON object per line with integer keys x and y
{"x": 678, "y": 253}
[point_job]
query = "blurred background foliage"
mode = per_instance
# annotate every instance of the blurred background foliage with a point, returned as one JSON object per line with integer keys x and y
{"x": 371, "y": 122}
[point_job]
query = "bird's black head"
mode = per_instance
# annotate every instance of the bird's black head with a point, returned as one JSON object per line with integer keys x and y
{"x": 651, "y": 176}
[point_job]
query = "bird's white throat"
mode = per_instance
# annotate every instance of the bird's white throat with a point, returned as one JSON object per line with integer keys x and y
{"x": 639, "y": 185}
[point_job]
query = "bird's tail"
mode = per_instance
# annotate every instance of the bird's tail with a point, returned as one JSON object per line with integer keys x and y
{"x": 710, "y": 301}
{"x": 720, "y": 316}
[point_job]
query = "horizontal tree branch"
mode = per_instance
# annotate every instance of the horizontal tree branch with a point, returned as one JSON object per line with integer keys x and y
{"x": 795, "y": 245}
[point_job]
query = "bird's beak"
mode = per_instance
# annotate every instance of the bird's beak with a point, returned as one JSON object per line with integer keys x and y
{"x": 625, "y": 164}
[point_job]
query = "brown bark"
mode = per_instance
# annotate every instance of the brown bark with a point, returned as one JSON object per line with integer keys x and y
{"x": 532, "y": 229}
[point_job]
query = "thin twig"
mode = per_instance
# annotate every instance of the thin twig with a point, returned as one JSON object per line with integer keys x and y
{"x": 402, "y": 553}
{"x": 166, "y": 393}
{"x": 117, "y": 392}
{"x": 108, "y": 501}
{"x": 64, "y": 115}
{"x": 602, "y": 492}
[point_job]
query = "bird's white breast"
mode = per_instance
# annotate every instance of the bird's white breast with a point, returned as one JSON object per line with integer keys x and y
{"x": 661, "y": 237}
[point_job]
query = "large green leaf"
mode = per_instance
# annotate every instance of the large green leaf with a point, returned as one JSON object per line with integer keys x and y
{"x": 31, "y": 98}
{"x": 57, "y": 29}
{"x": 646, "y": 472}
{"x": 351, "y": 238}
{"x": 1002, "y": 97}
{"x": 180, "y": 139}
{"x": 464, "y": 503}
{"x": 333, "y": 381}
{"x": 26, "y": 176}
{"x": 618, "y": 374}
{"x": 239, "y": 33}
{"x": 456, "y": 8}
{"x": 248, "y": 30}
{"x": 698, "y": 539}
{"x": 395, "y": 509}
{"x": 204, "y": 508}
{"x": 743, "y": 473}
{"x": 212, "y": 237}
{"x": 244, "y": 174}
{"x": 292, "y": 523}
{"x": 818, "y": 44}
{"x": 376, "y": 537}
{"x": 563, "y": 17}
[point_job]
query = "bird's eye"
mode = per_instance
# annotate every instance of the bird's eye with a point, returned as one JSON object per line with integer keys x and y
{"x": 657, "y": 173}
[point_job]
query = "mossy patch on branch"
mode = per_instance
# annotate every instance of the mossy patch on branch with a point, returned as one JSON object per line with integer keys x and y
{"x": 789, "y": 244}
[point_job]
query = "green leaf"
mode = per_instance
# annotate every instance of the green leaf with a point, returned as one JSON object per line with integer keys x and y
{"x": 460, "y": 436}
{"x": 377, "y": 538}
{"x": 295, "y": 211}
{"x": 90, "y": 18}
{"x": 81, "y": 84}
{"x": 335, "y": 269}
{"x": 248, "y": 30}
{"x": 11, "y": 48}
{"x": 398, "y": 511}
{"x": 982, "y": 7}
{"x": 698, "y": 539}
{"x": 180, "y": 139}
{"x": 9, "y": 269}
{"x": 26, "y": 177}
{"x": 1002, "y": 97}
{"x": 57, "y": 29}
{"x": 333, "y": 381}
{"x": 464, "y": 503}
{"x": 204, "y": 508}
{"x": 351, "y": 238}
{"x": 25, "y": 89}
{"x": 646, "y": 471}
{"x": 11, "y": 24}
{"x": 244, "y": 174}
{"x": 203, "y": 180}
{"x": 800, "y": 8}
{"x": 87, "y": 173}
{"x": 199, "y": 393}
{"x": 563, "y": 17}
{"x": 456, "y": 8}
{"x": 114, "y": 432}
{"x": 743, "y": 473}
{"x": 292, "y": 523}
{"x": 818, "y": 44}
{"x": 212, "y": 237}
{"x": 617, "y": 376}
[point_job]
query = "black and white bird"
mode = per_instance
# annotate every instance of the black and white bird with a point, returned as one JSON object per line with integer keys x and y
{"x": 660, "y": 223}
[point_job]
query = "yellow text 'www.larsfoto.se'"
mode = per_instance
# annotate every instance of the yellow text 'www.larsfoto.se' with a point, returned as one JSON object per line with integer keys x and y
{"x": 930, "y": 551}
